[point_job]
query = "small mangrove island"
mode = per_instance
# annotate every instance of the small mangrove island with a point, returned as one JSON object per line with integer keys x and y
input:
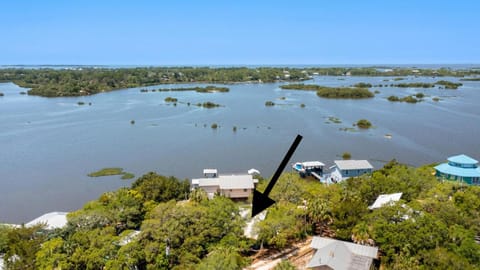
{"x": 206, "y": 89}
{"x": 364, "y": 124}
{"x": 171, "y": 99}
{"x": 363, "y": 85}
{"x": 445, "y": 84}
{"x": 112, "y": 171}
{"x": 414, "y": 85}
{"x": 332, "y": 92}
{"x": 269, "y": 103}
{"x": 470, "y": 79}
{"x": 449, "y": 85}
{"x": 408, "y": 99}
{"x": 208, "y": 105}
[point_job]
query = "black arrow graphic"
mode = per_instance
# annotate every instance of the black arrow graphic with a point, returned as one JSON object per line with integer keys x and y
{"x": 262, "y": 201}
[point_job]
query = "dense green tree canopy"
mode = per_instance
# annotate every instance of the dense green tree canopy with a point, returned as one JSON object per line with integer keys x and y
{"x": 152, "y": 226}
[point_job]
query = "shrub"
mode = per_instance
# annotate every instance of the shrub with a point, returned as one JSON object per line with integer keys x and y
{"x": 269, "y": 103}
{"x": 170, "y": 99}
{"x": 410, "y": 99}
{"x": 210, "y": 105}
{"x": 364, "y": 124}
{"x": 393, "y": 98}
{"x": 363, "y": 85}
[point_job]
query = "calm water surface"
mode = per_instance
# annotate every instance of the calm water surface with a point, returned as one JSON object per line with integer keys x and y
{"x": 49, "y": 145}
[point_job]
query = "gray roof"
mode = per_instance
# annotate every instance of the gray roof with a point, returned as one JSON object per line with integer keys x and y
{"x": 206, "y": 182}
{"x": 341, "y": 255}
{"x": 353, "y": 164}
{"x": 243, "y": 181}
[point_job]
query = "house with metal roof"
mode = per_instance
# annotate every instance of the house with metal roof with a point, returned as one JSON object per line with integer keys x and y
{"x": 461, "y": 168}
{"x": 53, "y": 220}
{"x": 344, "y": 169}
{"x": 385, "y": 199}
{"x": 232, "y": 186}
{"x": 336, "y": 254}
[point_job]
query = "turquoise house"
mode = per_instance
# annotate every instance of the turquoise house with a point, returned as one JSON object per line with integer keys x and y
{"x": 460, "y": 168}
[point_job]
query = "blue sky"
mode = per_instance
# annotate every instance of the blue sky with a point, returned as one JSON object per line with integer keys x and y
{"x": 239, "y": 32}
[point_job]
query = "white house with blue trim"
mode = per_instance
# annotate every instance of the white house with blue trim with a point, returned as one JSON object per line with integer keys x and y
{"x": 461, "y": 168}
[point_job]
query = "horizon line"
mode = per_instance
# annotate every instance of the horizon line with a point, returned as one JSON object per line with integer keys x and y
{"x": 246, "y": 65}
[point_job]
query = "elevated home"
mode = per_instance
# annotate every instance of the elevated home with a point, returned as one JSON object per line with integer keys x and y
{"x": 231, "y": 186}
{"x": 344, "y": 169}
{"x": 335, "y": 254}
{"x": 461, "y": 168}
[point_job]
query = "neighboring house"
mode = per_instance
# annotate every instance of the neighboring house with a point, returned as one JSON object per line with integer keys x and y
{"x": 53, "y": 220}
{"x": 385, "y": 199}
{"x": 231, "y": 186}
{"x": 461, "y": 168}
{"x": 344, "y": 169}
{"x": 336, "y": 254}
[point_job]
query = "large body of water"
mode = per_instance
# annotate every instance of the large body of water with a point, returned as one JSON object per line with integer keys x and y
{"x": 49, "y": 145}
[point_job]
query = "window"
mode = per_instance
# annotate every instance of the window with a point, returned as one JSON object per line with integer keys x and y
{"x": 244, "y": 190}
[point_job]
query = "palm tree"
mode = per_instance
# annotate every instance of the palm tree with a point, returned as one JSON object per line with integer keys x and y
{"x": 360, "y": 234}
{"x": 319, "y": 212}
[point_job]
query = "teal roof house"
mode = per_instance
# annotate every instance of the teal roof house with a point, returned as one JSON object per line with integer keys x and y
{"x": 461, "y": 168}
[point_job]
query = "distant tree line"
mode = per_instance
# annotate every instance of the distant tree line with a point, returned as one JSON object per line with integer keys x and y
{"x": 49, "y": 82}
{"x": 88, "y": 81}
